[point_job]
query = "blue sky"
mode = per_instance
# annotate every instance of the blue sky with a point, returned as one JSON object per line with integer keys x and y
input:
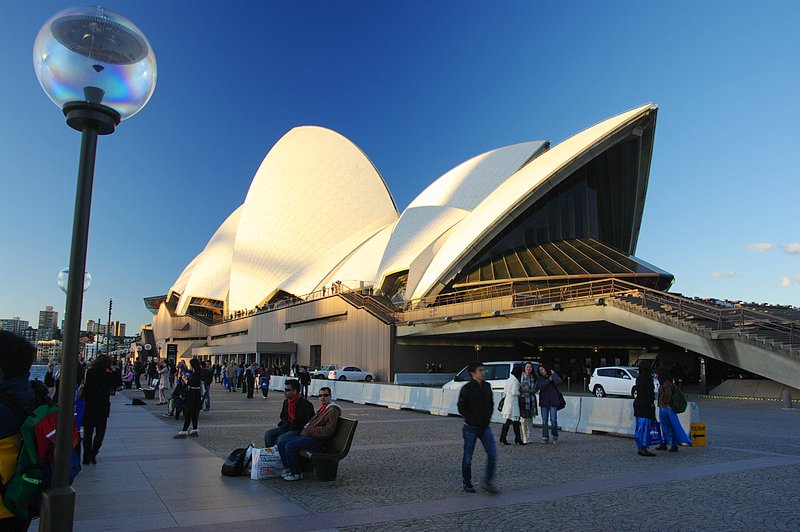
{"x": 419, "y": 86}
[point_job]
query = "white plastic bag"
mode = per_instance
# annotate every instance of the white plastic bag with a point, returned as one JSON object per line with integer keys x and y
{"x": 266, "y": 463}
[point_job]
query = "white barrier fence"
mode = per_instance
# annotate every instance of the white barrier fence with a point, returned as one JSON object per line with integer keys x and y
{"x": 584, "y": 414}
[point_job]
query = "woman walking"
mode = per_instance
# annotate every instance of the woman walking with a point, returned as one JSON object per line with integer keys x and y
{"x": 527, "y": 405}
{"x": 671, "y": 428}
{"x": 549, "y": 399}
{"x": 163, "y": 382}
{"x": 96, "y": 389}
{"x": 644, "y": 409}
{"x": 194, "y": 400}
{"x": 511, "y": 394}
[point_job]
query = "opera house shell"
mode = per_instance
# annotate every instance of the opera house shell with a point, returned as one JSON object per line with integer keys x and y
{"x": 318, "y": 216}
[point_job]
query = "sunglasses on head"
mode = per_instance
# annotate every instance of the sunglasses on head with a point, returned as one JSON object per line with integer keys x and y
{"x": 324, "y": 395}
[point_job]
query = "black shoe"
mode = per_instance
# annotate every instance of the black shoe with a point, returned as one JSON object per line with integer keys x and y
{"x": 93, "y": 459}
{"x": 644, "y": 452}
{"x": 469, "y": 488}
{"x": 519, "y": 442}
{"x": 504, "y": 442}
{"x": 85, "y": 460}
{"x": 673, "y": 449}
{"x": 662, "y": 447}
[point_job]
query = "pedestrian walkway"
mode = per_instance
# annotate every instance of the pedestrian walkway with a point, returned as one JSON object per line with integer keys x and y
{"x": 403, "y": 473}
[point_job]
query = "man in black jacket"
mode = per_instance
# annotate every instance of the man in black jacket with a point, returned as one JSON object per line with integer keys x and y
{"x": 296, "y": 412}
{"x": 475, "y": 404}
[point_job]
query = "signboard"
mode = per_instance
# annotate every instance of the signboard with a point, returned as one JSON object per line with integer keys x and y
{"x": 172, "y": 350}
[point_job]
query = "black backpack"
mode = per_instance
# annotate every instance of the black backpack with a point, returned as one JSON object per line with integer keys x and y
{"x": 236, "y": 462}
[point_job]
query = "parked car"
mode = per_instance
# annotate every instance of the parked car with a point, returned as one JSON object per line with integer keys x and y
{"x": 350, "y": 373}
{"x": 496, "y": 374}
{"x": 322, "y": 373}
{"x": 616, "y": 380}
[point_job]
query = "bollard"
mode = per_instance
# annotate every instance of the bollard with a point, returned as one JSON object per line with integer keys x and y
{"x": 786, "y": 397}
{"x": 584, "y": 384}
{"x": 569, "y": 384}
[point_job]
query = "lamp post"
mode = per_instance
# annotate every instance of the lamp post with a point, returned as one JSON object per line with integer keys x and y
{"x": 477, "y": 352}
{"x": 99, "y": 68}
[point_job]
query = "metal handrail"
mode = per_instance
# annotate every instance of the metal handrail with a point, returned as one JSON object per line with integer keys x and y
{"x": 720, "y": 319}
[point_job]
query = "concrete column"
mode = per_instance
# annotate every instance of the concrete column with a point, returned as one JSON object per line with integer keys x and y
{"x": 786, "y": 397}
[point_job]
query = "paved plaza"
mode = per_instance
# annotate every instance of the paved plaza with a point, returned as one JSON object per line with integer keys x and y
{"x": 403, "y": 473}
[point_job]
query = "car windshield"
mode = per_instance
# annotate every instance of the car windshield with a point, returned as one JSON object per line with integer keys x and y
{"x": 634, "y": 372}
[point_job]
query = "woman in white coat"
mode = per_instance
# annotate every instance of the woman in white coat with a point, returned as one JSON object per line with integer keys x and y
{"x": 163, "y": 378}
{"x": 511, "y": 393}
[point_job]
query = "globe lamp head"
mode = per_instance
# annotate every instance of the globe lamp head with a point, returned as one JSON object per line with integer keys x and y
{"x": 94, "y": 55}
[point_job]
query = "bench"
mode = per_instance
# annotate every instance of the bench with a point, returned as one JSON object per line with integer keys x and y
{"x": 326, "y": 462}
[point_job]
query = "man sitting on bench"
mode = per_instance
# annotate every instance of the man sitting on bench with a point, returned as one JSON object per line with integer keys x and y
{"x": 313, "y": 436}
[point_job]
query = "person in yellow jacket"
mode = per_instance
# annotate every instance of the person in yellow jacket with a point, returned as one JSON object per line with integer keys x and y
{"x": 313, "y": 436}
{"x": 16, "y": 357}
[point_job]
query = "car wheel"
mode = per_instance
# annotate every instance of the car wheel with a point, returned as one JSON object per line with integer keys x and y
{"x": 342, "y": 378}
{"x": 368, "y": 378}
{"x": 599, "y": 391}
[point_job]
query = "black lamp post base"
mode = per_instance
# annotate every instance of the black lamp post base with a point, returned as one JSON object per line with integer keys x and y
{"x": 57, "y": 510}
{"x": 82, "y": 114}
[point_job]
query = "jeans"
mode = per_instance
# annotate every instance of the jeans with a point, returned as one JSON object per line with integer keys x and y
{"x": 273, "y": 436}
{"x": 207, "y": 399}
{"x": 304, "y": 391}
{"x": 471, "y": 436}
{"x": 550, "y": 412}
{"x": 289, "y": 450}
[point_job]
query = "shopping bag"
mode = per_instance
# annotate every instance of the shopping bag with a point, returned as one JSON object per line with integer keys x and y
{"x": 266, "y": 464}
{"x": 655, "y": 433}
{"x": 226, "y": 382}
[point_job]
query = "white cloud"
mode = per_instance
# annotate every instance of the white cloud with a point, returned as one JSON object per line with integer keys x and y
{"x": 792, "y": 249}
{"x": 724, "y": 275}
{"x": 787, "y": 281}
{"x": 760, "y": 247}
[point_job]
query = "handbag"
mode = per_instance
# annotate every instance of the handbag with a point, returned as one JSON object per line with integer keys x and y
{"x": 562, "y": 403}
{"x": 500, "y": 404}
{"x": 678, "y": 401}
{"x": 655, "y": 433}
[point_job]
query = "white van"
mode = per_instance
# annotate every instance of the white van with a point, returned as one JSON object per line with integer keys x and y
{"x": 496, "y": 374}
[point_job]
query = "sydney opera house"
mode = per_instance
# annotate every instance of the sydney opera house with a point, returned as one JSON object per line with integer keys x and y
{"x": 317, "y": 266}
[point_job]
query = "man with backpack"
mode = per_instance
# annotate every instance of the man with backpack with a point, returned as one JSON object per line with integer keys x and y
{"x": 16, "y": 357}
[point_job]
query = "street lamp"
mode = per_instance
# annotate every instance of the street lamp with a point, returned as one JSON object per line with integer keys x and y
{"x": 99, "y": 68}
{"x": 477, "y": 352}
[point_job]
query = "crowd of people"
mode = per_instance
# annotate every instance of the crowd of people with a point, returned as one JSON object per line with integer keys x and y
{"x": 519, "y": 406}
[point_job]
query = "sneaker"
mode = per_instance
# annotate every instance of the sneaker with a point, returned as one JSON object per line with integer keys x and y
{"x": 294, "y": 476}
{"x": 167, "y": 415}
{"x": 194, "y": 432}
{"x": 490, "y": 488}
{"x": 555, "y": 442}
{"x": 286, "y": 473}
{"x": 545, "y": 441}
{"x": 469, "y": 488}
{"x": 181, "y": 434}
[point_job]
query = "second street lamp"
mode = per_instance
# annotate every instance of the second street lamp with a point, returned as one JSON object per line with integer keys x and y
{"x": 99, "y": 68}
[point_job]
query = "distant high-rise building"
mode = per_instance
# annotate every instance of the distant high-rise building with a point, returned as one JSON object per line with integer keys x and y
{"x": 48, "y": 350}
{"x": 92, "y": 326}
{"x": 117, "y": 328}
{"x": 48, "y": 322}
{"x": 29, "y": 334}
{"x": 15, "y": 325}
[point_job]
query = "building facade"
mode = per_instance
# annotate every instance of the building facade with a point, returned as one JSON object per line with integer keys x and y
{"x": 313, "y": 266}
{"x": 48, "y": 324}
{"x": 15, "y": 325}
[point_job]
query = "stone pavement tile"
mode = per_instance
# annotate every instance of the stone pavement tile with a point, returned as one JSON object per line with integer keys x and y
{"x": 111, "y": 485}
{"x": 144, "y": 521}
{"x": 182, "y": 468}
{"x": 231, "y": 514}
{"x": 129, "y": 503}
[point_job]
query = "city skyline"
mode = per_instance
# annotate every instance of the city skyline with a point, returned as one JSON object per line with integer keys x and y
{"x": 419, "y": 88}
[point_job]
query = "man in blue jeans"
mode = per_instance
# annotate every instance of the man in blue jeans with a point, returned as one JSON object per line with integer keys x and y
{"x": 476, "y": 404}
